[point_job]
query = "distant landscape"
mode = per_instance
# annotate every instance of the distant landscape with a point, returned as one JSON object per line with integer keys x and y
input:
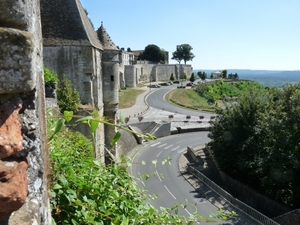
{"x": 268, "y": 78}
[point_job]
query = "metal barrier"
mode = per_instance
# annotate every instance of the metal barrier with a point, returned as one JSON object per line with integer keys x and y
{"x": 259, "y": 217}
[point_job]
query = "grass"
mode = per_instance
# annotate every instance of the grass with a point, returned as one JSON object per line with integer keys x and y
{"x": 127, "y": 97}
{"x": 188, "y": 98}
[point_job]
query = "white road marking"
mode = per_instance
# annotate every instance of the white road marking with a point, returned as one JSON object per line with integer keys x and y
{"x": 169, "y": 191}
{"x": 161, "y": 145}
{"x": 175, "y": 148}
{"x": 168, "y": 147}
{"x": 155, "y": 144}
{"x": 158, "y": 176}
{"x": 159, "y": 153}
{"x": 182, "y": 150}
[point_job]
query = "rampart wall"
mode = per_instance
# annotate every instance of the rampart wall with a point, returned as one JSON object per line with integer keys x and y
{"x": 141, "y": 73}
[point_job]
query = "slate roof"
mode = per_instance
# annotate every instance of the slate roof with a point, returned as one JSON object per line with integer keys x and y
{"x": 105, "y": 39}
{"x": 66, "y": 23}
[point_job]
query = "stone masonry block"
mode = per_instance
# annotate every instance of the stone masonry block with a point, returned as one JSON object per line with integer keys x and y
{"x": 13, "y": 186}
{"x": 14, "y": 13}
{"x": 11, "y": 139}
{"x": 16, "y": 63}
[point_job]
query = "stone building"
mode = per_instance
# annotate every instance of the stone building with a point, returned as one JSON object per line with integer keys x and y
{"x": 97, "y": 68}
{"x": 90, "y": 60}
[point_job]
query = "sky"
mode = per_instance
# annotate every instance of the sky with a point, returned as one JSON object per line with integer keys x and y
{"x": 224, "y": 34}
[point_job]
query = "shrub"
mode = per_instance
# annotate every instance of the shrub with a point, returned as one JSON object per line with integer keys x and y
{"x": 68, "y": 98}
{"x": 50, "y": 76}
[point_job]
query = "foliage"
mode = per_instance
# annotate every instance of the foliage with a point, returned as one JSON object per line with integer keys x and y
{"x": 50, "y": 76}
{"x": 234, "y": 76}
{"x": 172, "y": 78}
{"x": 257, "y": 141}
{"x": 183, "y": 52}
{"x": 68, "y": 98}
{"x": 219, "y": 90}
{"x": 84, "y": 191}
{"x": 153, "y": 53}
{"x": 192, "y": 78}
{"x": 189, "y": 98}
{"x": 184, "y": 77}
{"x": 202, "y": 75}
{"x": 224, "y": 74}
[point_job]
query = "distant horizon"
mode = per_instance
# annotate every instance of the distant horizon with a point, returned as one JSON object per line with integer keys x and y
{"x": 251, "y": 70}
{"x": 242, "y": 34}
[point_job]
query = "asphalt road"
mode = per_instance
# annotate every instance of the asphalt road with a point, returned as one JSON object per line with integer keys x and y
{"x": 156, "y": 100}
{"x": 166, "y": 180}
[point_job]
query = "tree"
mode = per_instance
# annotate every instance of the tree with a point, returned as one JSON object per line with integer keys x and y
{"x": 153, "y": 53}
{"x": 224, "y": 74}
{"x": 183, "y": 52}
{"x": 202, "y": 75}
{"x": 192, "y": 78}
{"x": 172, "y": 78}
{"x": 257, "y": 141}
{"x": 199, "y": 74}
{"x": 129, "y": 49}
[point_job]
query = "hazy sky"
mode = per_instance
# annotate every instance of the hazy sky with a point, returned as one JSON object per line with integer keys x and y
{"x": 224, "y": 34}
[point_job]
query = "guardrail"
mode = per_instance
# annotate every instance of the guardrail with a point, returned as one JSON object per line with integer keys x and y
{"x": 254, "y": 214}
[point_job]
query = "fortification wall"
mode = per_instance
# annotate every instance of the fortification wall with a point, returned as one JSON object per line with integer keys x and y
{"x": 77, "y": 64}
{"x": 23, "y": 154}
{"x": 144, "y": 73}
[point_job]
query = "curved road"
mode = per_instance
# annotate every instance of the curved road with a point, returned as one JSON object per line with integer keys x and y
{"x": 166, "y": 180}
{"x": 156, "y": 100}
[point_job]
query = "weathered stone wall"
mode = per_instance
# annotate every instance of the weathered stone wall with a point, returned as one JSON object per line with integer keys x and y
{"x": 23, "y": 154}
{"x": 77, "y": 64}
{"x": 82, "y": 65}
{"x": 139, "y": 73}
{"x": 111, "y": 86}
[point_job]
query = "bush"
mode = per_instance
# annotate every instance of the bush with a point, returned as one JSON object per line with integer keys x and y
{"x": 68, "y": 98}
{"x": 50, "y": 76}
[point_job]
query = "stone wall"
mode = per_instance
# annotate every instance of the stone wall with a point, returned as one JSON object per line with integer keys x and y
{"x": 77, "y": 64}
{"x": 23, "y": 154}
{"x": 140, "y": 73}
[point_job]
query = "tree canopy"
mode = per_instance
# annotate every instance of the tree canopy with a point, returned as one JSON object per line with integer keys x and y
{"x": 256, "y": 141}
{"x": 183, "y": 52}
{"x": 153, "y": 53}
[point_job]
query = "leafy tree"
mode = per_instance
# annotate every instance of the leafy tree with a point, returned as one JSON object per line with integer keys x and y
{"x": 224, "y": 74}
{"x": 184, "y": 77}
{"x": 257, "y": 141}
{"x": 129, "y": 49}
{"x": 183, "y": 52}
{"x": 172, "y": 78}
{"x": 68, "y": 98}
{"x": 199, "y": 74}
{"x": 192, "y": 78}
{"x": 202, "y": 75}
{"x": 153, "y": 53}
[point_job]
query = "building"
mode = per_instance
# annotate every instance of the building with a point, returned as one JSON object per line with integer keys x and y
{"x": 90, "y": 60}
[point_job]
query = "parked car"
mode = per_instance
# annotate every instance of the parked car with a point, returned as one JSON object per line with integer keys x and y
{"x": 176, "y": 82}
{"x": 170, "y": 83}
{"x": 154, "y": 86}
{"x": 165, "y": 84}
{"x": 189, "y": 84}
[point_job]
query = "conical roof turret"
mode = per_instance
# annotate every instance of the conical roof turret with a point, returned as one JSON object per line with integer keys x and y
{"x": 105, "y": 39}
